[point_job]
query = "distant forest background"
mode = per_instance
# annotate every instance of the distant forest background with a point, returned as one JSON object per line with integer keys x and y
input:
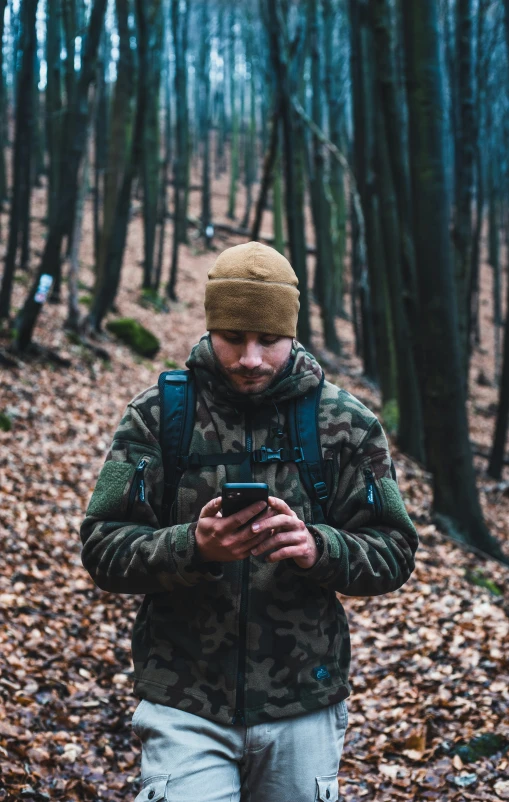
{"x": 384, "y": 122}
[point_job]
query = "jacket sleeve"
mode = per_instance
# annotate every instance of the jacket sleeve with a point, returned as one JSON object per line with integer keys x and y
{"x": 370, "y": 541}
{"x": 124, "y": 548}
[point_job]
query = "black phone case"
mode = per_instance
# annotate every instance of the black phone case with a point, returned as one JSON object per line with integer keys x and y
{"x": 236, "y": 496}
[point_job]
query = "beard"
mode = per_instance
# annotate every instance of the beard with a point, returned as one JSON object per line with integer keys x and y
{"x": 266, "y": 377}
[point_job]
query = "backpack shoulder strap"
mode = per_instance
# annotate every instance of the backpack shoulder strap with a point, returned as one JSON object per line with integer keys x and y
{"x": 177, "y": 395}
{"x": 305, "y": 435}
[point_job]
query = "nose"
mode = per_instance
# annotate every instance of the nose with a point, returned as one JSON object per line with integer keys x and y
{"x": 251, "y": 356}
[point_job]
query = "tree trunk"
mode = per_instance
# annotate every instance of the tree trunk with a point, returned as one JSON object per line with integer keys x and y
{"x": 277, "y": 202}
{"x": 464, "y": 172}
{"x": 325, "y": 264}
{"x": 21, "y": 186}
{"x": 335, "y": 106}
{"x": 494, "y": 247}
{"x": 482, "y": 63}
{"x": 294, "y": 210}
{"x": 204, "y": 111}
{"x": 167, "y": 138}
{"x": 70, "y": 30}
{"x": 452, "y": 84}
{"x": 69, "y": 12}
{"x": 395, "y": 199}
{"x": 448, "y": 450}
{"x": 506, "y": 21}
{"x": 50, "y": 262}
{"x": 117, "y": 240}
{"x": 221, "y": 129}
{"x": 250, "y": 135}
{"x": 362, "y": 69}
{"x": 186, "y": 135}
{"x": 3, "y": 108}
{"x": 73, "y": 314}
{"x": 499, "y": 440}
{"x": 32, "y": 166}
{"x": 234, "y": 145}
{"x": 180, "y": 165}
{"x": 100, "y": 145}
{"x": 53, "y": 103}
{"x": 150, "y": 46}
{"x": 39, "y": 146}
{"x": 267, "y": 172}
{"x": 122, "y": 150}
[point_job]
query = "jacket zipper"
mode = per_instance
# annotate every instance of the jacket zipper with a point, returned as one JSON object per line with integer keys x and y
{"x": 138, "y": 485}
{"x": 239, "y": 716}
{"x": 372, "y": 491}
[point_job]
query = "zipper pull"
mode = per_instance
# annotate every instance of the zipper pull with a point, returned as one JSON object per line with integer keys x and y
{"x": 369, "y": 486}
{"x": 238, "y": 718}
{"x": 137, "y": 485}
{"x": 373, "y": 494}
{"x": 140, "y": 468}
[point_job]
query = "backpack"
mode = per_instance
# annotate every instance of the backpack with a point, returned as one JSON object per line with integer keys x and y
{"x": 177, "y": 395}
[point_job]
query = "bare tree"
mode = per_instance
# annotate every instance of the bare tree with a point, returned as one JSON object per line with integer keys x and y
{"x": 456, "y": 501}
{"x": 76, "y": 142}
{"x": 22, "y": 148}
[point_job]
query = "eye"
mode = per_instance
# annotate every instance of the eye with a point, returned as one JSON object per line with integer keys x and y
{"x": 270, "y": 341}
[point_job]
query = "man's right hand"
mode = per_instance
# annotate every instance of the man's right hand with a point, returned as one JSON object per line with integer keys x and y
{"x": 228, "y": 539}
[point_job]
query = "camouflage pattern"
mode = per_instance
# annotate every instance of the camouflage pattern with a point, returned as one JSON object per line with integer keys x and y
{"x": 186, "y": 636}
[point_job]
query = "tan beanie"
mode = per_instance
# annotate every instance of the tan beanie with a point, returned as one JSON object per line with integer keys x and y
{"x": 252, "y": 287}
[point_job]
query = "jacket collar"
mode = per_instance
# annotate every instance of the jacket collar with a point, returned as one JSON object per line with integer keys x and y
{"x": 301, "y": 374}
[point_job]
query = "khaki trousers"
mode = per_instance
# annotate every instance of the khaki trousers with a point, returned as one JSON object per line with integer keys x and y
{"x": 187, "y": 758}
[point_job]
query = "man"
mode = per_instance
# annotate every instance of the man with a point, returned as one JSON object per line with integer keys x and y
{"x": 241, "y": 648}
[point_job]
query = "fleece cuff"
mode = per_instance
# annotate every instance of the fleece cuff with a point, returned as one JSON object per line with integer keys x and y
{"x": 188, "y": 562}
{"x": 330, "y": 563}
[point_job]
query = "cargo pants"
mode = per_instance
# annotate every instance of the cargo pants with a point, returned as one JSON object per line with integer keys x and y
{"x": 187, "y": 758}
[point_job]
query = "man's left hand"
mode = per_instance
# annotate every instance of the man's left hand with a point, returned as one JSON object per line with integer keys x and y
{"x": 287, "y": 535}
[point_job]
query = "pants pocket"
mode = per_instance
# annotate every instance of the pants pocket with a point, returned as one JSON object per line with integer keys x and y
{"x": 136, "y": 717}
{"x": 342, "y": 715}
{"x": 155, "y": 789}
{"x": 327, "y": 788}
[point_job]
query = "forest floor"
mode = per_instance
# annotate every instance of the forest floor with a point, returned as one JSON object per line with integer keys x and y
{"x": 430, "y": 665}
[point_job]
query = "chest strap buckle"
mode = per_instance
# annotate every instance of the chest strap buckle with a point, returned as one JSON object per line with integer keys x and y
{"x": 265, "y": 454}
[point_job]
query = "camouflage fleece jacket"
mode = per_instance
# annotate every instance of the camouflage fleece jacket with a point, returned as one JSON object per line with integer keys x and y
{"x": 248, "y": 640}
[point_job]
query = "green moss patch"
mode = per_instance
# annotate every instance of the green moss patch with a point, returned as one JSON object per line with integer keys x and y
{"x": 484, "y": 745}
{"x": 5, "y": 422}
{"x": 478, "y": 578}
{"x": 136, "y": 336}
{"x": 150, "y": 298}
{"x": 171, "y": 364}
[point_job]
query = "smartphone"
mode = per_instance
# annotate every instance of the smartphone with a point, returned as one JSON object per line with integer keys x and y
{"x": 238, "y": 495}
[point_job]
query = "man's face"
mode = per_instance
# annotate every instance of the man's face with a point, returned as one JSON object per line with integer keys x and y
{"x": 250, "y": 360}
